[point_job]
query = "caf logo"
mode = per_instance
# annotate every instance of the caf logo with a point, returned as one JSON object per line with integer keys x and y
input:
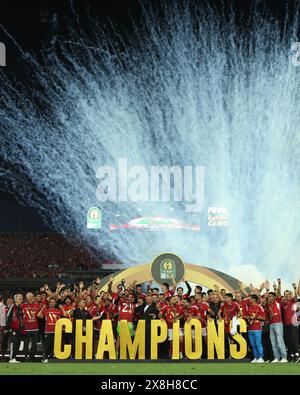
{"x": 94, "y": 214}
{"x": 94, "y": 218}
{"x": 167, "y": 267}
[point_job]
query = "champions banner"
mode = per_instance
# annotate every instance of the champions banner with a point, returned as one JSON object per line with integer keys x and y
{"x": 135, "y": 348}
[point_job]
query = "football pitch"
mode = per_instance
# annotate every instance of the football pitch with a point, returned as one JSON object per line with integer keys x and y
{"x": 100, "y": 368}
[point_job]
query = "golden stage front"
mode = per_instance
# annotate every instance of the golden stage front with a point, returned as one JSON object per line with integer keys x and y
{"x": 197, "y": 274}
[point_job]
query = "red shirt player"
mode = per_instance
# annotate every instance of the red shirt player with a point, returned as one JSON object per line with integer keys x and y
{"x": 126, "y": 309}
{"x": 229, "y": 309}
{"x": 242, "y": 302}
{"x": 99, "y": 311}
{"x": 289, "y": 308}
{"x": 255, "y": 315}
{"x": 67, "y": 309}
{"x": 139, "y": 292}
{"x": 203, "y": 308}
{"x": 108, "y": 310}
{"x": 90, "y": 306}
{"x": 52, "y": 315}
{"x": 180, "y": 291}
{"x": 190, "y": 310}
{"x": 273, "y": 309}
{"x": 171, "y": 312}
{"x": 167, "y": 292}
{"x": 290, "y": 321}
{"x": 30, "y": 311}
{"x": 161, "y": 302}
{"x": 117, "y": 294}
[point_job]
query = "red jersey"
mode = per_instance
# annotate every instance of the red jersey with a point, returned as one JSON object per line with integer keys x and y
{"x": 244, "y": 303}
{"x": 203, "y": 307}
{"x": 255, "y": 311}
{"x": 228, "y": 312}
{"x": 30, "y": 312}
{"x": 67, "y": 310}
{"x": 170, "y": 312}
{"x": 106, "y": 313}
{"x": 51, "y": 315}
{"x": 273, "y": 311}
{"x": 95, "y": 312}
{"x": 168, "y": 294}
{"x": 114, "y": 296}
{"x": 181, "y": 302}
{"x": 160, "y": 305}
{"x": 43, "y": 302}
{"x": 141, "y": 295}
{"x": 185, "y": 296}
{"x": 191, "y": 311}
{"x": 92, "y": 309}
{"x": 289, "y": 312}
{"x": 126, "y": 310}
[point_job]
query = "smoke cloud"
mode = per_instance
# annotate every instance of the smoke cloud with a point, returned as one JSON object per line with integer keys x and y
{"x": 186, "y": 88}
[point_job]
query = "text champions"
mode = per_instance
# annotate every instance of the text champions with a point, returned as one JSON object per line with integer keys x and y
{"x": 135, "y": 348}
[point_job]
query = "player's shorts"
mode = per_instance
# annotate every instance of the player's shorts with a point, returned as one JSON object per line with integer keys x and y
{"x": 170, "y": 333}
{"x": 130, "y": 327}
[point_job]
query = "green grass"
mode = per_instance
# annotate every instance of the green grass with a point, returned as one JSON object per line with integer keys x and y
{"x": 148, "y": 368}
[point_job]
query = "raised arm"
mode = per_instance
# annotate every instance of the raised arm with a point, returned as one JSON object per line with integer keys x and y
{"x": 278, "y": 293}
{"x": 173, "y": 283}
{"x": 109, "y": 286}
{"x": 294, "y": 285}
{"x": 217, "y": 290}
{"x": 189, "y": 288}
{"x": 41, "y": 312}
{"x": 262, "y": 287}
{"x": 48, "y": 290}
{"x": 149, "y": 285}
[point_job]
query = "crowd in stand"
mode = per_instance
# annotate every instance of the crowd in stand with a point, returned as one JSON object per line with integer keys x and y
{"x": 272, "y": 316}
{"x": 40, "y": 255}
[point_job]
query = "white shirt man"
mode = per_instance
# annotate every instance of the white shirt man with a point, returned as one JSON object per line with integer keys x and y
{"x": 2, "y": 315}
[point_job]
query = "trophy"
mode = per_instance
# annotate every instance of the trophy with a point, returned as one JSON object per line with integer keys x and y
{"x": 167, "y": 269}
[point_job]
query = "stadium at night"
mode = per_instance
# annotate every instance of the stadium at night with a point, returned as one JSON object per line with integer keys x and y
{"x": 149, "y": 187}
